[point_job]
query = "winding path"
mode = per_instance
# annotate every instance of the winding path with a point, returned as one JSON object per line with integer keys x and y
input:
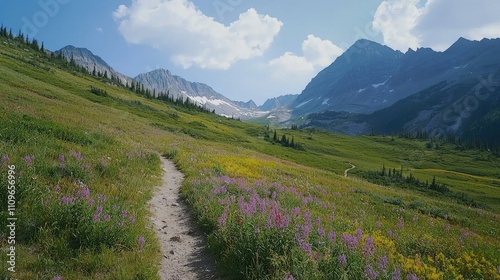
{"x": 182, "y": 244}
{"x": 349, "y": 169}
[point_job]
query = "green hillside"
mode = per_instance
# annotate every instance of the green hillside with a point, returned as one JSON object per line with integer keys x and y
{"x": 86, "y": 162}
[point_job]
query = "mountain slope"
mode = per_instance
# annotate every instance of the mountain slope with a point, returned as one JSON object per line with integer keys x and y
{"x": 162, "y": 80}
{"x": 369, "y": 77}
{"x": 283, "y": 101}
{"x": 84, "y": 57}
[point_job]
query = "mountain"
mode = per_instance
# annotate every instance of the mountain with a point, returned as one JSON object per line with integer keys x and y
{"x": 84, "y": 57}
{"x": 283, "y": 101}
{"x": 369, "y": 77}
{"x": 162, "y": 80}
{"x": 248, "y": 105}
{"x": 460, "y": 96}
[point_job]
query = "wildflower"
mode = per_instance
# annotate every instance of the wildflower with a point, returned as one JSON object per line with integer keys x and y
{"x": 67, "y": 200}
{"x": 306, "y": 230}
{"x": 257, "y": 230}
{"x": 61, "y": 160}
{"x": 412, "y": 277}
{"x": 91, "y": 201}
{"x": 369, "y": 247}
{"x": 96, "y": 218}
{"x": 219, "y": 190}
{"x": 359, "y": 233}
{"x": 350, "y": 241}
{"x": 415, "y": 218}
{"x": 382, "y": 264}
{"x": 121, "y": 224}
{"x": 77, "y": 155}
{"x": 5, "y": 159}
{"x": 321, "y": 232}
{"x": 296, "y": 211}
{"x": 99, "y": 209}
{"x": 332, "y": 236}
{"x": 129, "y": 156}
{"x": 273, "y": 196}
{"x": 124, "y": 213}
{"x": 83, "y": 193}
{"x": 445, "y": 217}
{"x": 332, "y": 217}
{"x": 396, "y": 274}
{"x": 131, "y": 219}
{"x": 306, "y": 247}
{"x": 107, "y": 218}
{"x": 57, "y": 188}
{"x": 239, "y": 220}
{"x": 57, "y": 277}
{"x": 378, "y": 224}
{"x": 222, "y": 219}
{"x": 498, "y": 269}
{"x": 401, "y": 223}
{"x": 370, "y": 272}
{"x": 289, "y": 276}
{"x": 28, "y": 160}
{"x": 342, "y": 259}
{"x": 141, "y": 241}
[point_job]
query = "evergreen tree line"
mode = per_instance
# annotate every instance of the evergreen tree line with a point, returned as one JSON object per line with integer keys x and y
{"x": 395, "y": 177}
{"x": 284, "y": 140}
{"x": 464, "y": 144}
{"x": 70, "y": 64}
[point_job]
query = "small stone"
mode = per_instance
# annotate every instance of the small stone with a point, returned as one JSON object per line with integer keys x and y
{"x": 175, "y": 204}
{"x": 172, "y": 252}
{"x": 166, "y": 257}
{"x": 176, "y": 238}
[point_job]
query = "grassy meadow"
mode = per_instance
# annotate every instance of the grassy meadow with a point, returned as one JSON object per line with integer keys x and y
{"x": 86, "y": 164}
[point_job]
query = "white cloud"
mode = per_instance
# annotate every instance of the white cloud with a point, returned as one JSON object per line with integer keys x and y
{"x": 179, "y": 28}
{"x": 99, "y": 29}
{"x": 437, "y": 23}
{"x": 316, "y": 54}
{"x": 396, "y": 19}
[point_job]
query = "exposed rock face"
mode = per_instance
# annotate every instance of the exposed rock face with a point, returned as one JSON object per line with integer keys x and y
{"x": 84, "y": 57}
{"x": 280, "y": 102}
{"x": 369, "y": 76}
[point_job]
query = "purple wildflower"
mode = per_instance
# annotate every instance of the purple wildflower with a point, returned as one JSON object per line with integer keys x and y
{"x": 5, "y": 159}
{"x": 141, "y": 241}
{"x": 28, "y": 160}
{"x": 350, "y": 241}
{"x": 273, "y": 196}
{"x": 57, "y": 277}
{"x": 415, "y": 218}
{"x": 396, "y": 274}
{"x": 77, "y": 155}
{"x": 321, "y": 232}
{"x": 91, "y": 201}
{"x": 306, "y": 247}
{"x": 121, "y": 224}
{"x": 382, "y": 264}
{"x": 306, "y": 230}
{"x": 124, "y": 213}
{"x": 67, "y": 200}
{"x": 83, "y": 193}
{"x": 222, "y": 220}
{"x": 61, "y": 160}
{"x": 257, "y": 230}
{"x": 498, "y": 269}
{"x": 369, "y": 247}
{"x": 131, "y": 219}
{"x": 342, "y": 259}
{"x": 296, "y": 211}
{"x": 412, "y": 276}
{"x": 359, "y": 233}
{"x": 96, "y": 218}
{"x": 289, "y": 276}
{"x": 332, "y": 217}
{"x": 107, "y": 218}
{"x": 378, "y": 224}
{"x": 219, "y": 190}
{"x": 99, "y": 209}
{"x": 57, "y": 188}
{"x": 445, "y": 217}
{"x": 332, "y": 236}
{"x": 401, "y": 223}
{"x": 370, "y": 272}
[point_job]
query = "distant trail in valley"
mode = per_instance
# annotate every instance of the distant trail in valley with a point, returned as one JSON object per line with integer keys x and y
{"x": 349, "y": 169}
{"x": 182, "y": 244}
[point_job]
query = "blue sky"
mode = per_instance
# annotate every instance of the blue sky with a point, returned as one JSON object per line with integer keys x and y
{"x": 245, "y": 49}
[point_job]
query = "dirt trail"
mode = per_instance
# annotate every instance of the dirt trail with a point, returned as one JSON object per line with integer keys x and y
{"x": 182, "y": 244}
{"x": 349, "y": 169}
